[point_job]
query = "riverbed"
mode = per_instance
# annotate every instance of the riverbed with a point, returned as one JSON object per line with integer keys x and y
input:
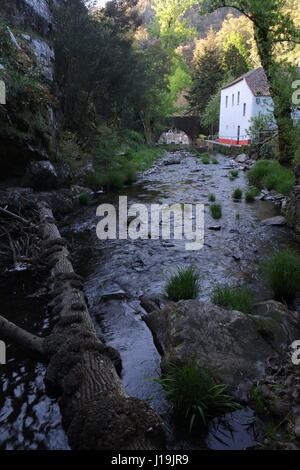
{"x": 118, "y": 273}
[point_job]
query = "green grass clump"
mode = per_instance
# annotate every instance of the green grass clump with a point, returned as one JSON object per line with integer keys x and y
{"x": 237, "y": 193}
{"x": 233, "y": 298}
{"x": 270, "y": 174}
{"x": 215, "y": 161}
{"x": 194, "y": 395}
{"x": 84, "y": 199}
{"x": 212, "y": 198}
{"x": 234, "y": 174}
{"x": 216, "y": 211}
{"x": 205, "y": 159}
{"x": 183, "y": 285}
{"x": 281, "y": 272}
{"x": 251, "y": 194}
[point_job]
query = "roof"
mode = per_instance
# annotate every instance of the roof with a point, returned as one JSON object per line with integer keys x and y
{"x": 256, "y": 80}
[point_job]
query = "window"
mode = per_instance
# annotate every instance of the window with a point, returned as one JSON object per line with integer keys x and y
{"x": 226, "y": 101}
{"x": 244, "y": 109}
{"x": 232, "y": 100}
{"x": 239, "y": 98}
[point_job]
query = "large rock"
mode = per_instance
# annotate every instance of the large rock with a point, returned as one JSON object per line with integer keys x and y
{"x": 40, "y": 175}
{"x": 233, "y": 345}
{"x": 243, "y": 158}
{"x": 275, "y": 221}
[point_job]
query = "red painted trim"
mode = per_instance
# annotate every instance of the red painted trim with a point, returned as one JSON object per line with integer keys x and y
{"x": 233, "y": 142}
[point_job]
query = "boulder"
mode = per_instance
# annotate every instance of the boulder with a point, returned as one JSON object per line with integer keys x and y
{"x": 275, "y": 221}
{"x": 40, "y": 175}
{"x": 233, "y": 345}
{"x": 243, "y": 158}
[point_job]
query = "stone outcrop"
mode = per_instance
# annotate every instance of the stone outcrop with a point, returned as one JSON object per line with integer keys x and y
{"x": 28, "y": 121}
{"x": 221, "y": 340}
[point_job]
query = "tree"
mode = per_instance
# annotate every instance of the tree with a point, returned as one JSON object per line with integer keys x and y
{"x": 207, "y": 76}
{"x": 170, "y": 22}
{"x": 234, "y": 63}
{"x": 273, "y": 27}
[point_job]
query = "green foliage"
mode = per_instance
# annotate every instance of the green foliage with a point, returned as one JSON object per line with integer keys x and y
{"x": 215, "y": 161}
{"x": 194, "y": 395}
{"x": 234, "y": 174}
{"x": 205, "y": 159}
{"x": 84, "y": 199}
{"x": 233, "y": 298}
{"x": 212, "y": 198}
{"x": 170, "y": 22}
{"x": 235, "y": 58}
{"x": 216, "y": 211}
{"x": 237, "y": 193}
{"x": 281, "y": 272}
{"x": 251, "y": 194}
{"x": 183, "y": 285}
{"x": 271, "y": 175}
{"x": 207, "y": 77}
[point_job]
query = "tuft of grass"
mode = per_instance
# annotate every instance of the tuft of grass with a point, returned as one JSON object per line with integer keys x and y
{"x": 212, "y": 198}
{"x": 234, "y": 174}
{"x": 237, "y": 216}
{"x": 251, "y": 194}
{"x": 194, "y": 395}
{"x": 205, "y": 159}
{"x": 270, "y": 174}
{"x": 281, "y": 272}
{"x": 83, "y": 199}
{"x": 216, "y": 211}
{"x": 183, "y": 285}
{"x": 215, "y": 161}
{"x": 233, "y": 298}
{"x": 237, "y": 193}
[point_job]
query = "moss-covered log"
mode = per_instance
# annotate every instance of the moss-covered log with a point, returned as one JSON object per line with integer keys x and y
{"x": 82, "y": 372}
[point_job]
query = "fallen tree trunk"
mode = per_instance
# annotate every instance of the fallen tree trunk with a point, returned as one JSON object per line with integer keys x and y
{"x": 97, "y": 413}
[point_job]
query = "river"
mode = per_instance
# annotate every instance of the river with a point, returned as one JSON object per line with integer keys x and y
{"x": 118, "y": 273}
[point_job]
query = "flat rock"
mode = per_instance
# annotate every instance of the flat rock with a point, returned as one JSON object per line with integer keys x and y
{"x": 275, "y": 221}
{"x": 233, "y": 345}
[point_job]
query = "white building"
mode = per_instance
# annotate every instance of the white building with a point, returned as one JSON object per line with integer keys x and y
{"x": 241, "y": 100}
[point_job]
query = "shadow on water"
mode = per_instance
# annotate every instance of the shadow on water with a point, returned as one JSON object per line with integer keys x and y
{"x": 29, "y": 420}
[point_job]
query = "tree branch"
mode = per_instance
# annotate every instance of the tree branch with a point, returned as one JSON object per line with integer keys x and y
{"x": 27, "y": 341}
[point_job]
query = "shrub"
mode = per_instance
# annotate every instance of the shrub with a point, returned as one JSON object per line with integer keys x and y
{"x": 194, "y": 395}
{"x": 237, "y": 194}
{"x": 216, "y": 211}
{"x": 183, "y": 285}
{"x": 212, "y": 198}
{"x": 251, "y": 194}
{"x": 271, "y": 175}
{"x": 282, "y": 274}
{"x": 233, "y": 298}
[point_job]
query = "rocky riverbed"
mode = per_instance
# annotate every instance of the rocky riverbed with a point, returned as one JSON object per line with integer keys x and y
{"x": 125, "y": 279}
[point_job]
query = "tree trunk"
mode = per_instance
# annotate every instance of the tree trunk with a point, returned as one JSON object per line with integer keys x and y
{"x": 96, "y": 412}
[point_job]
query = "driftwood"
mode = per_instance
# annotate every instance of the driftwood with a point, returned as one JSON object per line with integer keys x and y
{"x": 82, "y": 371}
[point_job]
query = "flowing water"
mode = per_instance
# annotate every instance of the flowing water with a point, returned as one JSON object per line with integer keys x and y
{"x": 118, "y": 273}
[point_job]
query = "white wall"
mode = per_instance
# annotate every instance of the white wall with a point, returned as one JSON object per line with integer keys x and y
{"x": 233, "y": 116}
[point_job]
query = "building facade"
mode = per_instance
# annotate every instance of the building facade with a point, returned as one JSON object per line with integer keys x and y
{"x": 242, "y": 100}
